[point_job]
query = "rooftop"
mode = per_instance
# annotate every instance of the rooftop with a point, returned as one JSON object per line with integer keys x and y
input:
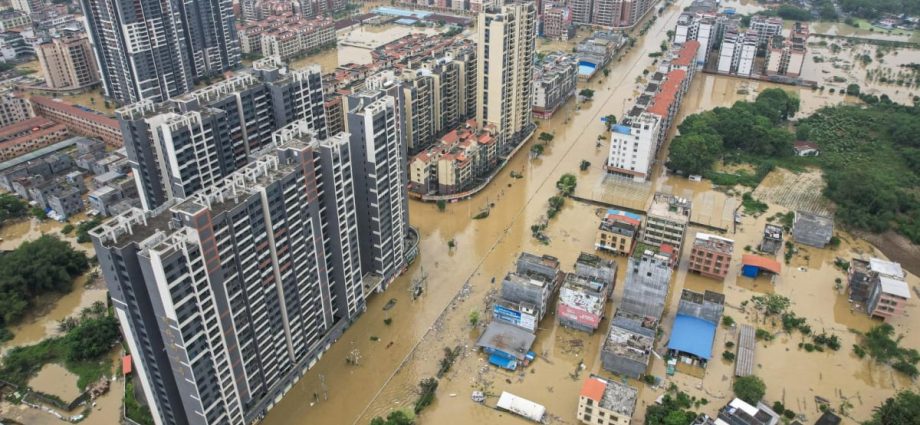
{"x": 506, "y": 338}
{"x": 611, "y": 395}
{"x": 894, "y": 287}
{"x": 583, "y": 294}
{"x": 713, "y": 243}
{"x": 886, "y": 268}
{"x": 670, "y": 207}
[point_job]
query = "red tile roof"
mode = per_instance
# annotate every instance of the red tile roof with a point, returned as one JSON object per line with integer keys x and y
{"x": 593, "y": 389}
{"x": 73, "y": 110}
{"x": 663, "y": 100}
{"x": 15, "y": 129}
{"x": 687, "y": 53}
{"x": 763, "y": 263}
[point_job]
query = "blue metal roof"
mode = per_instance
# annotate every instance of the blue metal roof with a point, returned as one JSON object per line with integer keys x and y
{"x": 503, "y": 362}
{"x": 692, "y": 335}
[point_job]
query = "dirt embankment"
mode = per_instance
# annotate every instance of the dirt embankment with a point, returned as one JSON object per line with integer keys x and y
{"x": 897, "y": 248}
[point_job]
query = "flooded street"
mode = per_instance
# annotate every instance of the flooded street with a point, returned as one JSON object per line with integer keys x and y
{"x": 458, "y": 280}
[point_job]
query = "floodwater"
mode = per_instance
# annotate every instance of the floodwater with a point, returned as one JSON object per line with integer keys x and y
{"x": 841, "y": 29}
{"x": 56, "y": 380}
{"x": 847, "y": 68}
{"x": 42, "y": 320}
{"x": 394, "y": 358}
{"x": 51, "y": 308}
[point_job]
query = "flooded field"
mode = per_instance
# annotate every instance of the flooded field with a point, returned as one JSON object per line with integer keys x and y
{"x": 56, "y": 380}
{"x": 876, "y": 70}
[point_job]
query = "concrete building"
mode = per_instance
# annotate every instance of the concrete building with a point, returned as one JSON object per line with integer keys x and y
{"x": 694, "y": 329}
{"x": 704, "y": 27}
{"x": 863, "y": 276}
{"x": 786, "y": 55}
{"x": 381, "y": 181}
{"x": 26, "y": 136}
{"x": 79, "y": 120}
{"x": 140, "y": 61}
{"x": 223, "y": 352}
{"x": 286, "y": 35}
{"x": 667, "y": 221}
{"x": 557, "y": 22}
{"x": 505, "y": 72}
{"x": 14, "y": 47}
{"x": 766, "y": 27}
{"x": 611, "y": 13}
{"x": 739, "y": 412}
{"x": 636, "y": 141}
{"x": 67, "y": 62}
{"x": 606, "y": 402}
{"x": 461, "y": 159}
{"x": 14, "y": 19}
{"x": 555, "y": 81}
{"x": 582, "y": 11}
{"x": 627, "y": 348}
{"x": 888, "y": 298}
{"x": 812, "y": 229}
{"x": 581, "y": 302}
{"x": 772, "y": 240}
{"x": 595, "y": 52}
{"x": 738, "y": 50}
{"x": 617, "y": 232}
{"x": 648, "y": 277}
{"x": 711, "y": 255}
{"x": 178, "y": 147}
{"x": 14, "y": 108}
{"x": 28, "y": 6}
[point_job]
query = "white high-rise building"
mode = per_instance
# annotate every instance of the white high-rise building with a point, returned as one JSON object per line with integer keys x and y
{"x": 505, "y": 71}
{"x": 633, "y": 146}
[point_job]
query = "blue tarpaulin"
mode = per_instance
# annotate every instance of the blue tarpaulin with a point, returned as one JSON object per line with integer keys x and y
{"x": 750, "y": 271}
{"x": 692, "y": 336}
{"x": 622, "y": 129}
{"x": 503, "y": 362}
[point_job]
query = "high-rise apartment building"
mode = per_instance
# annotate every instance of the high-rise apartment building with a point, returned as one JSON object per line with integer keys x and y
{"x": 505, "y": 70}
{"x": 227, "y": 297}
{"x": 158, "y": 50}
{"x": 736, "y": 55}
{"x": 610, "y": 13}
{"x": 381, "y": 183}
{"x": 68, "y": 61}
{"x": 190, "y": 142}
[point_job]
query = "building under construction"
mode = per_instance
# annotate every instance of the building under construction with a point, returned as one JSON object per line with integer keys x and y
{"x": 628, "y": 345}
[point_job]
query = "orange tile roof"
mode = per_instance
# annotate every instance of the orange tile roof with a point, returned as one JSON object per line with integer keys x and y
{"x": 663, "y": 100}
{"x": 450, "y": 138}
{"x": 594, "y": 389}
{"x": 687, "y": 53}
{"x": 764, "y": 263}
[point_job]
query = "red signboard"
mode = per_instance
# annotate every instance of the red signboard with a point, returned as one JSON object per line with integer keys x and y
{"x": 578, "y": 315}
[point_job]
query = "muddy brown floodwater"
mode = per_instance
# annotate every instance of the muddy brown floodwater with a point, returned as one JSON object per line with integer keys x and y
{"x": 394, "y": 358}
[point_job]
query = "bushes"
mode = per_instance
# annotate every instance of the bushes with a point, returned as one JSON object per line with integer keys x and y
{"x": 566, "y": 184}
{"x": 12, "y": 207}
{"x": 879, "y": 344}
{"x": 749, "y": 388}
{"x": 555, "y": 205}
{"x": 44, "y": 265}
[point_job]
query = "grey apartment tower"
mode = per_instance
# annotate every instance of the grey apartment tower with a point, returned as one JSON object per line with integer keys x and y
{"x": 228, "y": 296}
{"x": 188, "y": 143}
{"x": 381, "y": 183}
{"x": 159, "y": 49}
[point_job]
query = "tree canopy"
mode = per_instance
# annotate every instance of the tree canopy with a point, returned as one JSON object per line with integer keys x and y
{"x": 673, "y": 410}
{"x": 871, "y": 9}
{"x": 749, "y": 388}
{"x": 12, "y": 207}
{"x": 44, "y": 265}
{"x": 902, "y": 409}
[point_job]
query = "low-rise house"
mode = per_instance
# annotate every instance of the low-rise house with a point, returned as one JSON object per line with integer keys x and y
{"x": 694, "y": 330}
{"x": 461, "y": 159}
{"x": 26, "y": 136}
{"x": 888, "y": 298}
{"x": 739, "y": 412}
{"x": 711, "y": 255}
{"x": 667, "y": 221}
{"x": 581, "y": 303}
{"x": 772, "y": 241}
{"x": 628, "y": 346}
{"x": 555, "y": 78}
{"x": 863, "y": 276}
{"x": 812, "y": 229}
{"x": 606, "y": 402}
{"x": 617, "y": 232}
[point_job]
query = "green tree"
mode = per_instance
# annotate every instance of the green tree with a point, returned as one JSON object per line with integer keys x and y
{"x": 694, "y": 153}
{"x": 474, "y": 318}
{"x": 902, "y": 409}
{"x": 853, "y": 89}
{"x": 567, "y": 183}
{"x": 92, "y": 338}
{"x": 442, "y": 205}
{"x": 546, "y": 137}
{"x": 749, "y": 388}
{"x": 11, "y": 207}
{"x": 586, "y": 93}
{"x": 803, "y": 131}
{"x": 396, "y": 417}
{"x": 537, "y": 150}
